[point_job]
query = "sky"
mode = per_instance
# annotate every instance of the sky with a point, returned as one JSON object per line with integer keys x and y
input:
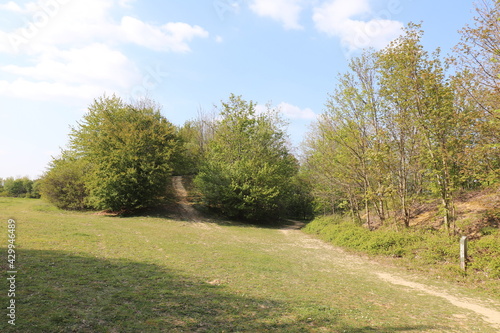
{"x": 57, "y": 56}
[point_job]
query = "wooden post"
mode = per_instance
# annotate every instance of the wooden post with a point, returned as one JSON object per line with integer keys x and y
{"x": 463, "y": 253}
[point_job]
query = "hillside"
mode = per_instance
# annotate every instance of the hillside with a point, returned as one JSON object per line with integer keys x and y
{"x": 475, "y": 210}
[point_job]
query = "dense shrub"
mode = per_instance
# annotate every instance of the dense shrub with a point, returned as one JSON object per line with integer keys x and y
{"x": 247, "y": 170}
{"x": 63, "y": 185}
{"x": 485, "y": 255}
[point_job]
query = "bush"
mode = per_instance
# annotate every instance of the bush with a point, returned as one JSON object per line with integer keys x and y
{"x": 63, "y": 185}
{"x": 485, "y": 255}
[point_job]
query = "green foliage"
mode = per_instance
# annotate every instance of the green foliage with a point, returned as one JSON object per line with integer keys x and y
{"x": 120, "y": 158}
{"x": 63, "y": 185}
{"x": 194, "y": 136}
{"x": 396, "y": 127}
{"x": 247, "y": 169}
{"x": 19, "y": 187}
{"x": 485, "y": 254}
{"x": 343, "y": 232}
{"x": 129, "y": 148}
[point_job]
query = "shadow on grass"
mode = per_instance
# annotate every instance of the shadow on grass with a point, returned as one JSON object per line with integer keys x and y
{"x": 60, "y": 292}
{"x": 173, "y": 212}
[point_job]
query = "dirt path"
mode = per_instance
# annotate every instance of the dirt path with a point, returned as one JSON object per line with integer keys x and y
{"x": 488, "y": 310}
{"x": 186, "y": 209}
{"x": 489, "y": 315}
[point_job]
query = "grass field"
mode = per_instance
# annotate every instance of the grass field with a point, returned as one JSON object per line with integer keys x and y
{"x": 83, "y": 272}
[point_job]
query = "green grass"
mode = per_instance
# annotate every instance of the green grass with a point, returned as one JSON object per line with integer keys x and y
{"x": 82, "y": 272}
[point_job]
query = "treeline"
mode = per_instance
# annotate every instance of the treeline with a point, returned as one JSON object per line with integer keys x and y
{"x": 20, "y": 188}
{"x": 120, "y": 158}
{"x": 402, "y": 126}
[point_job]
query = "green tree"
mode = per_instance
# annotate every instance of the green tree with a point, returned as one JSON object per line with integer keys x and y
{"x": 19, "y": 187}
{"x": 194, "y": 136}
{"x": 345, "y": 150}
{"x": 247, "y": 167}
{"x": 415, "y": 86}
{"x": 129, "y": 150}
{"x": 478, "y": 59}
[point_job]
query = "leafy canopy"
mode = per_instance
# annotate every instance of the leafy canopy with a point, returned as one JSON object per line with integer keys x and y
{"x": 127, "y": 152}
{"x": 247, "y": 168}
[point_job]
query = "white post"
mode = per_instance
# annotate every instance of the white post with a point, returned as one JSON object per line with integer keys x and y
{"x": 463, "y": 253}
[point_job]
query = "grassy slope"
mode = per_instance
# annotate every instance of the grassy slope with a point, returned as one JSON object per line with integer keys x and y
{"x": 82, "y": 272}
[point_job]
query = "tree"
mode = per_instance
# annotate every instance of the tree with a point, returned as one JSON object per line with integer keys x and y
{"x": 129, "y": 151}
{"x": 346, "y": 146}
{"x": 194, "y": 136}
{"x": 247, "y": 167}
{"x": 478, "y": 80}
{"x": 19, "y": 187}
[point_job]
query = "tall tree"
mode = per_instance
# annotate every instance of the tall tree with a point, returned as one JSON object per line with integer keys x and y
{"x": 478, "y": 61}
{"x": 416, "y": 88}
{"x": 247, "y": 167}
{"x": 346, "y": 146}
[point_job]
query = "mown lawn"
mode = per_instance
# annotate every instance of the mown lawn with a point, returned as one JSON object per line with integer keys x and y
{"x": 83, "y": 272}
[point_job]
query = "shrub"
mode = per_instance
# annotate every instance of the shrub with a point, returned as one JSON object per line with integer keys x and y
{"x": 485, "y": 255}
{"x": 63, "y": 184}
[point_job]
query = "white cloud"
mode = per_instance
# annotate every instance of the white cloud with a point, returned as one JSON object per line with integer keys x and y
{"x": 294, "y": 112}
{"x": 93, "y": 63}
{"x": 289, "y": 111}
{"x": 77, "y": 23}
{"x": 287, "y": 12}
{"x": 73, "y": 48}
{"x": 341, "y": 18}
{"x": 11, "y": 6}
{"x": 172, "y": 36}
{"x": 80, "y": 73}
{"x": 126, "y": 3}
{"x": 47, "y": 91}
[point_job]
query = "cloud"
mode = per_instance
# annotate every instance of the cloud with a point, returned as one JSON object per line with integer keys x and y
{"x": 93, "y": 63}
{"x": 72, "y": 49}
{"x": 287, "y": 12}
{"x": 168, "y": 37}
{"x": 294, "y": 112}
{"x": 356, "y": 24}
{"x": 288, "y": 110}
{"x": 11, "y": 6}
{"x": 46, "y": 91}
{"x": 80, "y": 73}
{"x": 77, "y": 23}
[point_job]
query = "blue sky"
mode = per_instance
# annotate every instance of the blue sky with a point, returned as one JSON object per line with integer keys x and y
{"x": 56, "y": 56}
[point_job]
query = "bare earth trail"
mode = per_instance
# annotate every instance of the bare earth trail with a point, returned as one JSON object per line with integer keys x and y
{"x": 186, "y": 209}
{"x": 312, "y": 251}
